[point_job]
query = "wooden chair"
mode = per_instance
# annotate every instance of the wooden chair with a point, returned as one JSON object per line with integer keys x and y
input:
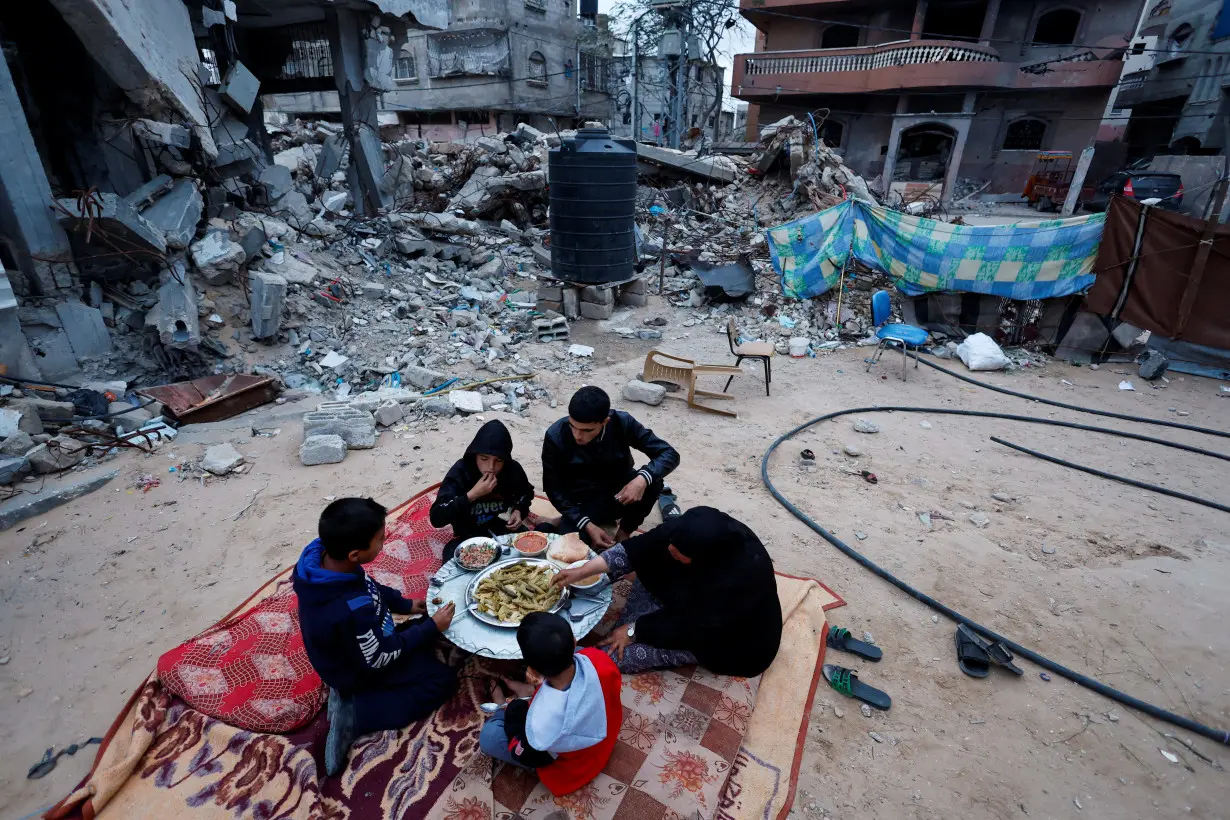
{"x": 663, "y": 367}
{"x": 749, "y": 350}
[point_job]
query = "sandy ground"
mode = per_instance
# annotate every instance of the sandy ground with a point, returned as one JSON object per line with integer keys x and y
{"x": 1133, "y": 594}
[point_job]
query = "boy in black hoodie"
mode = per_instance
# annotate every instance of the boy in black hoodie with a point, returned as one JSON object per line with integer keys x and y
{"x": 484, "y": 485}
{"x": 380, "y": 676}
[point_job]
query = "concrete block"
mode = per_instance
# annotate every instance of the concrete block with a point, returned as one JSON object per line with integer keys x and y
{"x": 163, "y": 133}
{"x": 277, "y": 181}
{"x": 58, "y": 454}
{"x": 491, "y": 145}
{"x": 17, "y": 444}
{"x": 251, "y": 238}
{"x": 356, "y": 427}
{"x": 150, "y": 191}
{"x": 634, "y": 299}
{"x": 421, "y": 377}
{"x": 294, "y": 209}
{"x": 10, "y": 422}
{"x": 87, "y": 333}
{"x": 221, "y": 459}
{"x": 644, "y": 392}
{"x": 1153, "y": 365}
{"x": 635, "y": 286}
{"x": 118, "y": 217}
{"x": 552, "y": 293}
{"x": 373, "y": 290}
{"x": 467, "y": 401}
{"x": 13, "y": 468}
{"x": 231, "y": 135}
{"x": 440, "y": 407}
{"x": 598, "y": 295}
{"x": 217, "y": 257}
{"x": 240, "y": 87}
{"x": 591, "y": 311}
{"x": 177, "y": 214}
{"x": 15, "y": 354}
{"x": 325, "y": 449}
{"x": 572, "y": 301}
{"x": 175, "y": 316}
{"x": 268, "y": 298}
{"x": 26, "y": 506}
{"x": 545, "y": 304}
{"x": 389, "y": 414}
{"x": 330, "y": 160}
{"x": 43, "y": 409}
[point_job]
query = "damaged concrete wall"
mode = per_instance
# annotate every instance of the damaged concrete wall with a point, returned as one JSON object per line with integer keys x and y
{"x": 148, "y": 49}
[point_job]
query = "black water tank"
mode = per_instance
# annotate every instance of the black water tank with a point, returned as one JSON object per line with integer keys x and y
{"x": 593, "y": 208}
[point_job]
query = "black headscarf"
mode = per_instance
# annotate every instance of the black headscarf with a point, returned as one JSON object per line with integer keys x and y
{"x": 723, "y": 606}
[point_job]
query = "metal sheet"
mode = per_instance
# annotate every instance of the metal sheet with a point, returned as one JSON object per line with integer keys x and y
{"x": 212, "y": 398}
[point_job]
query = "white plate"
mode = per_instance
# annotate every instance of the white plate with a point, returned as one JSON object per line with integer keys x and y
{"x": 481, "y": 539}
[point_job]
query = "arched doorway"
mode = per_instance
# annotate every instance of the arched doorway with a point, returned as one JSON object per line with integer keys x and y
{"x": 923, "y": 153}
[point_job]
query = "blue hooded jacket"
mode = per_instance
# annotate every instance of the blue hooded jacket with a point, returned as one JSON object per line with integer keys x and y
{"x": 347, "y": 623}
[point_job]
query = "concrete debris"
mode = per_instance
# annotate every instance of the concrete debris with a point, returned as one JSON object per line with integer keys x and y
{"x": 60, "y": 453}
{"x": 865, "y": 426}
{"x": 644, "y": 392}
{"x": 1153, "y": 365}
{"x": 356, "y": 427}
{"x": 221, "y": 459}
{"x": 176, "y": 315}
{"x": 177, "y": 214}
{"x": 389, "y": 413}
{"x": 217, "y": 258}
{"x": 268, "y": 294}
{"x": 466, "y": 401}
{"x": 48, "y": 500}
{"x": 322, "y": 449}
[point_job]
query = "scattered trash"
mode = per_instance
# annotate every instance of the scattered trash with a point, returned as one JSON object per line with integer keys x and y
{"x": 926, "y": 425}
{"x": 1126, "y": 385}
{"x": 980, "y": 352}
{"x": 1044, "y": 676}
{"x": 808, "y": 455}
{"x": 876, "y": 737}
{"x": 583, "y": 351}
{"x": 869, "y": 477}
{"x": 1047, "y": 550}
{"x": 1173, "y": 758}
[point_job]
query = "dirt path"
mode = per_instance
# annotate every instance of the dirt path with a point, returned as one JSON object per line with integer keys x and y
{"x": 1133, "y": 592}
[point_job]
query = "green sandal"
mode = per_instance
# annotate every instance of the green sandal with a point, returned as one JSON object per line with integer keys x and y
{"x": 847, "y": 683}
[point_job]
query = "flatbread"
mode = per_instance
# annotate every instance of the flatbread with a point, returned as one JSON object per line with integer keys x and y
{"x": 568, "y": 549}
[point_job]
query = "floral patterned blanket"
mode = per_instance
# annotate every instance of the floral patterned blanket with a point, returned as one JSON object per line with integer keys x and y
{"x": 682, "y": 750}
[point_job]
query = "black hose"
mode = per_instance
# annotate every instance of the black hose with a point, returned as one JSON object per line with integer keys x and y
{"x": 1161, "y": 422}
{"x": 1219, "y": 735}
{"x": 1121, "y": 479}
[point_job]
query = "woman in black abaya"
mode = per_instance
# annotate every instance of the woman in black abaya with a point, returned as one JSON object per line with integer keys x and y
{"x": 705, "y": 593}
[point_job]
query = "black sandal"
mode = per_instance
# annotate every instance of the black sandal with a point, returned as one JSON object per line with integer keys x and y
{"x": 972, "y": 655}
{"x": 840, "y": 639}
{"x": 847, "y": 683}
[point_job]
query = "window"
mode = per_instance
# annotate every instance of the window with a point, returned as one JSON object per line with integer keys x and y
{"x": 837, "y": 36}
{"x": 1025, "y": 135}
{"x": 1179, "y": 41}
{"x": 536, "y": 5}
{"x": 593, "y": 72}
{"x": 536, "y": 69}
{"x": 405, "y": 69}
{"x": 831, "y": 132}
{"x": 1138, "y": 47}
{"x": 1057, "y": 27}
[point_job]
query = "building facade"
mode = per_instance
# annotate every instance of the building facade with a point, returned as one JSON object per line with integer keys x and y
{"x": 704, "y": 87}
{"x": 1177, "y": 79}
{"x": 921, "y": 93}
{"x": 499, "y": 62}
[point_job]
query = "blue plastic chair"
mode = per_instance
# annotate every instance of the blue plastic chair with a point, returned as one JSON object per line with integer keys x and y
{"x": 894, "y": 334}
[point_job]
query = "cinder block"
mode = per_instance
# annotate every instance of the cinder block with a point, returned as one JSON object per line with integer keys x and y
{"x": 268, "y": 297}
{"x": 544, "y": 305}
{"x": 551, "y": 293}
{"x": 357, "y": 428}
{"x": 634, "y": 299}
{"x": 635, "y": 286}
{"x": 591, "y": 311}
{"x": 572, "y": 300}
{"x": 598, "y": 295}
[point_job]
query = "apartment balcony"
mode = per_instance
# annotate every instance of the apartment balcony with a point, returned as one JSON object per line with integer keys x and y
{"x": 903, "y": 65}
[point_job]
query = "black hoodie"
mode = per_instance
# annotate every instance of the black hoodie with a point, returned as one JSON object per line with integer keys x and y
{"x": 512, "y": 489}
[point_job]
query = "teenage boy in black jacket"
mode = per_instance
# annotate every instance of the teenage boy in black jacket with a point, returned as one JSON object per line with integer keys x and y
{"x": 380, "y": 677}
{"x": 481, "y": 487}
{"x": 589, "y": 473}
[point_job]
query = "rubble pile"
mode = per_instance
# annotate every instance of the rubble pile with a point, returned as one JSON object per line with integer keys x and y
{"x": 439, "y": 306}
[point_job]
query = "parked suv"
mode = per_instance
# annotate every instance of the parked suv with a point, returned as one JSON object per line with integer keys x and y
{"x": 1138, "y": 185}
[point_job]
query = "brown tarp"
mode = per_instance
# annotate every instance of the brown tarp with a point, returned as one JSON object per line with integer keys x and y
{"x": 1145, "y": 265}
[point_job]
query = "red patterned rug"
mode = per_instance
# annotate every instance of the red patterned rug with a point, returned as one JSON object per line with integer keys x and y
{"x": 683, "y": 733}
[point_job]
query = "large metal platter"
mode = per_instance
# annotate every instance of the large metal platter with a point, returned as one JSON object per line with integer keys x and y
{"x": 472, "y": 603}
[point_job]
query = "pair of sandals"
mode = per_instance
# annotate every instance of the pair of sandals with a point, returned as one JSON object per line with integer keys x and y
{"x": 845, "y": 680}
{"x": 976, "y": 655}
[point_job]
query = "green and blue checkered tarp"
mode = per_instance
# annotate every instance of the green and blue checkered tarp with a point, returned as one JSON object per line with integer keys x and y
{"x": 1025, "y": 260}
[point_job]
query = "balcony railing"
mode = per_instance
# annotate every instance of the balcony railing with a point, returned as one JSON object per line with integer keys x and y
{"x": 1133, "y": 81}
{"x": 868, "y": 58}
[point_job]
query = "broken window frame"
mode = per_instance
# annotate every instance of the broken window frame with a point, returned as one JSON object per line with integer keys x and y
{"x": 1022, "y": 141}
{"x": 405, "y": 60}
{"x": 1064, "y": 10}
{"x": 536, "y": 5}
{"x": 536, "y": 69}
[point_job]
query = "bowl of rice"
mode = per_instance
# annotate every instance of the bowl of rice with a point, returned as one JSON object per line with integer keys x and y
{"x": 477, "y": 553}
{"x": 588, "y": 581}
{"x": 531, "y": 544}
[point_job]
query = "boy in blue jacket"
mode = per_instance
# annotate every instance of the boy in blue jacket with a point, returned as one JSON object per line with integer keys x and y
{"x": 380, "y": 676}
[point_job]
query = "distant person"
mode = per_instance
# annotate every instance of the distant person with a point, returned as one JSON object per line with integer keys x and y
{"x": 704, "y": 593}
{"x": 380, "y": 677}
{"x": 589, "y": 473}
{"x": 486, "y": 493}
{"x": 567, "y": 730}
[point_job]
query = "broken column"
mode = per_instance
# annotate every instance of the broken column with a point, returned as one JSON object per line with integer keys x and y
{"x": 218, "y": 258}
{"x": 29, "y": 226}
{"x": 177, "y": 213}
{"x": 16, "y": 359}
{"x": 358, "y": 61}
{"x": 268, "y": 296}
{"x": 175, "y": 316}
